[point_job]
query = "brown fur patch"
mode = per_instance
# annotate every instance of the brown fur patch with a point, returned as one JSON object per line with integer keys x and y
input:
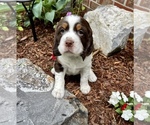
{"x": 78, "y": 27}
{"x": 58, "y": 67}
{"x": 64, "y": 25}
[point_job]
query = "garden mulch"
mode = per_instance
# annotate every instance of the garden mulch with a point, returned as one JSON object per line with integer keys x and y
{"x": 115, "y": 73}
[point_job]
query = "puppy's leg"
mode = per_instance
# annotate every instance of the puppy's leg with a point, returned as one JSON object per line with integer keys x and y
{"x": 59, "y": 89}
{"x": 92, "y": 76}
{"x": 84, "y": 85}
{"x": 53, "y": 71}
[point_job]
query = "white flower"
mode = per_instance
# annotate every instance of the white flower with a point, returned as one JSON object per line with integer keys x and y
{"x": 147, "y": 94}
{"x": 132, "y": 94}
{"x": 141, "y": 114}
{"x": 127, "y": 114}
{"x": 114, "y": 98}
{"x": 135, "y": 95}
{"x": 125, "y": 99}
{"x": 138, "y": 97}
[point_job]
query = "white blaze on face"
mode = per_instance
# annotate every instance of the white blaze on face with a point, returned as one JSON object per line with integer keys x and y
{"x": 77, "y": 47}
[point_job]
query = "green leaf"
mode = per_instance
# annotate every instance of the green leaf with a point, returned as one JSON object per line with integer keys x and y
{"x": 61, "y": 3}
{"x": 20, "y": 28}
{"x": 131, "y": 100}
{"x": 5, "y": 28}
{"x": 147, "y": 119}
{"x": 50, "y": 15}
{"x": 148, "y": 111}
{"x": 121, "y": 102}
{"x": 27, "y": 23}
{"x": 4, "y": 8}
{"x": 47, "y": 4}
{"x": 37, "y": 9}
{"x": 83, "y": 8}
{"x": 19, "y": 8}
{"x": 118, "y": 110}
{"x": 129, "y": 107}
{"x": 54, "y": 26}
{"x": 37, "y": 1}
{"x": 116, "y": 105}
{"x": 132, "y": 119}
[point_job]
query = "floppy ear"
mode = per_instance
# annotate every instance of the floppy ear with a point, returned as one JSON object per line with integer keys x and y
{"x": 56, "y": 44}
{"x": 88, "y": 49}
{"x": 55, "y": 49}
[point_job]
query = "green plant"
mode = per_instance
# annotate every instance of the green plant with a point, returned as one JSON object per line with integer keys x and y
{"x": 132, "y": 107}
{"x": 48, "y": 10}
{"x": 2, "y": 23}
{"x": 22, "y": 19}
{"x": 78, "y": 8}
{"x": 8, "y": 19}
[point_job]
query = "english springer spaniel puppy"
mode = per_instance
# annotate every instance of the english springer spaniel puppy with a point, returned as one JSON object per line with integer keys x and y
{"x": 73, "y": 46}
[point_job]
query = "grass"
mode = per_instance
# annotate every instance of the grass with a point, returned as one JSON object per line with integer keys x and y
{"x": 6, "y": 8}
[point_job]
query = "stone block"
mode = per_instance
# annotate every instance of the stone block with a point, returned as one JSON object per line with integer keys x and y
{"x": 111, "y": 28}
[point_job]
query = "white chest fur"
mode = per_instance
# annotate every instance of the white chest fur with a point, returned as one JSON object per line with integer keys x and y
{"x": 74, "y": 64}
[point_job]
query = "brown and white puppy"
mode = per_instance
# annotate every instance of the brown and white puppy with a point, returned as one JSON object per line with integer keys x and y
{"x": 73, "y": 47}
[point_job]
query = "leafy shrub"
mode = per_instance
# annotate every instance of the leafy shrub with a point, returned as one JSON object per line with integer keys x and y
{"x": 48, "y": 10}
{"x": 78, "y": 8}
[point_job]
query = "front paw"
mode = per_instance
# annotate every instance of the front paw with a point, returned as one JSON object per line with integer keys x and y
{"x": 85, "y": 89}
{"x": 92, "y": 77}
{"x": 58, "y": 93}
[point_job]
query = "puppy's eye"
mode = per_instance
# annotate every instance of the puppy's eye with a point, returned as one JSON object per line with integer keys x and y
{"x": 62, "y": 31}
{"x": 80, "y": 32}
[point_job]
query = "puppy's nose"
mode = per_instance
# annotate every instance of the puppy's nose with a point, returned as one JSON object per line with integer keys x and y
{"x": 69, "y": 43}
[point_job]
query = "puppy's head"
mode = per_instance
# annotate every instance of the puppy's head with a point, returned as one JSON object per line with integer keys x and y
{"x": 73, "y": 36}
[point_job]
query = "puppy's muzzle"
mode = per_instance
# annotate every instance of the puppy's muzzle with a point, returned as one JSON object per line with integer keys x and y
{"x": 69, "y": 43}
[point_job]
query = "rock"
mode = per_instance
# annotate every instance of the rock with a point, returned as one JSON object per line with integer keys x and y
{"x": 7, "y": 107}
{"x": 7, "y": 99}
{"x": 80, "y": 117}
{"x": 141, "y": 25}
{"x": 111, "y": 28}
{"x": 8, "y": 74}
{"x": 43, "y": 109}
{"x": 31, "y": 77}
{"x": 35, "y": 104}
{"x": 27, "y": 76}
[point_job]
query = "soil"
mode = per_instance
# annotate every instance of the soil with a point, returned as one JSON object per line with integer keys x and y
{"x": 115, "y": 73}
